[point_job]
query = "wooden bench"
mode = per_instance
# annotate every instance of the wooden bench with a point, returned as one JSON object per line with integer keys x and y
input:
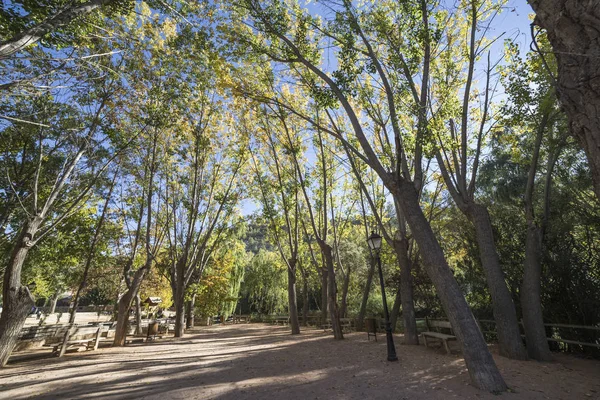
{"x": 282, "y": 320}
{"x": 443, "y": 337}
{"x": 88, "y": 336}
{"x": 238, "y": 319}
{"x": 346, "y": 324}
{"x": 37, "y": 336}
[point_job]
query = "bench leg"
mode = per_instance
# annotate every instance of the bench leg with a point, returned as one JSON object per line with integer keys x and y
{"x": 425, "y": 339}
{"x": 446, "y": 346}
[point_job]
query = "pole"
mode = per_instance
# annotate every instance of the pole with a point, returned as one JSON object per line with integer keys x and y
{"x": 391, "y": 349}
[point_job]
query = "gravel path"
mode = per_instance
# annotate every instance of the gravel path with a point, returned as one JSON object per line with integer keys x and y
{"x": 257, "y": 361}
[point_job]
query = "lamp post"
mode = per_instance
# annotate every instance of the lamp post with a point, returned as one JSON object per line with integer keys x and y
{"x": 374, "y": 242}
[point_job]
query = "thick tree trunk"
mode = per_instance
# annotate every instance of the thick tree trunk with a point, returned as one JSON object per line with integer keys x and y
{"x": 14, "y": 313}
{"x": 505, "y": 315}
{"x": 572, "y": 28}
{"x": 411, "y": 335}
{"x": 344, "y": 304}
{"x": 292, "y": 302}
{"x": 124, "y": 305}
{"x": 305, "y": 300}
{"x": 482, "y": 369}
{"x": 179, "y": 299}
{"x": 533, "y": 320}
{"x": 16, "y": 299}
{"x": 122, "y": 319}
{"x": 324, "y": 305}
{"x": 334, "y": 312}
{"x": 363, "y": 304}
{"x": 189, "y": 323}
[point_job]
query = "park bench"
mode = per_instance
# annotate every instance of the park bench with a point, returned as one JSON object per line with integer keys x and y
{"x": 238, "y": 319}
{"x": 282, "y": 320}
{"x": 443, "y": 337}
{"x": 88, "y": 336}
{"x": 36, "y": 336}
{"x": 346, "y": 324}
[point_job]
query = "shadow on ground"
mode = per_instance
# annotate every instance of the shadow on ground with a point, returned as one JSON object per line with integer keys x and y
{"x": 252, "y": 361}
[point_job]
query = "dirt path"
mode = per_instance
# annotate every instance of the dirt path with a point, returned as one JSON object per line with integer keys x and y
{"x": 258, "y": 362}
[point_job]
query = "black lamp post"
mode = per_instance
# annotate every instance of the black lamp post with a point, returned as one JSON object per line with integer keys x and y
{"x": 374, "y": 242}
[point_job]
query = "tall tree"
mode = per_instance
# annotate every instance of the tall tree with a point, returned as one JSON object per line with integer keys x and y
{"x": 572, "y": 31}
{"x": 283, "y": 37}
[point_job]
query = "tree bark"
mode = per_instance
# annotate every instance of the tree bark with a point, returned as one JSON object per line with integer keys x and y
{"x": 324, "y": 305}
{"x": 572, "y": 28}
{"x": 138, "y": 314}
{"x": 292, "y": 302}
{"x": 189, "y": 323}
{"x": 395, "y": 309}
{"x": 505, "y": 315}
{"x": 17, "y": 300}
{"x": 125, "y": 305}
{"x": 53, "y": 302}
{"x": 334, "y": 312}
{"x": 482, "y": 369}
{"x": 179, "y": 299}
{"x": 363, "y": 305}
{"x": 411, "y": 335}
{"x": 533, "y": 320}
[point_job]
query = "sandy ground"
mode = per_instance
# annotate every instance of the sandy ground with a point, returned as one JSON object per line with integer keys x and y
{"x": 258, "y": 361}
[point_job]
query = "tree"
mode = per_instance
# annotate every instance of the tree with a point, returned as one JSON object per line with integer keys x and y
{"x": 571, "y": 28}
{"x": 279, "y": 197}
{"x": 283, "y": 38}
{"x": 51, "y": 186}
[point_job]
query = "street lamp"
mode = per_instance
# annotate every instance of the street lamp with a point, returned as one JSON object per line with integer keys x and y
{"x": 374, "y": 242}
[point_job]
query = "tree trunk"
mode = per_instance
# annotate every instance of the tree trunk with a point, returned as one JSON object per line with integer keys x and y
{"x": 189, "y": 323}
{"x": 323, "y": 295}
{"x": 572, "y": 28}
{"x": 53, "y": 302}
{"x": 334, "y": 312}
{"x": 533, "y": 320}
{"x": 344, "y": 305}
{"x": 482, "y": 369}
{"x": 122, "y": 319}
{"x": 138, "y": 314}
{"x": 305, "y": 300}
{"x": 179, "y": 295}
{"x": 125, "y": 305}
{"x": 505, "y": 315}
{"x": 365, "y": 298}
{"x": 292, "y": 303}
{"x": 17, "y": 300}
{"x": 411, "y": 336}
{"x": 395, "y": 310}
{"x": 179, "y": 299}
